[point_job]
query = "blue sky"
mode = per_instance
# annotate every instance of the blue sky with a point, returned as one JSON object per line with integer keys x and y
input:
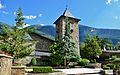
{"x": 94, "y": 13}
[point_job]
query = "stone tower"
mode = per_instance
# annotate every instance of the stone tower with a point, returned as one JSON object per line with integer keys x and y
{"x": 73, "y": 22}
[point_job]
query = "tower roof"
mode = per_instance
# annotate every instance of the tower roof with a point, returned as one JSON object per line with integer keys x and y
{"x": 66, "y": 13}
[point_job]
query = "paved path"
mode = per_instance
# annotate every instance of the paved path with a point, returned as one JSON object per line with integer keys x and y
{"x": 86, "y": 71}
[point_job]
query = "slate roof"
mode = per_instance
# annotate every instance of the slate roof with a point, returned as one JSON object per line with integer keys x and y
{"x": 66, "y": 13}
{"x": 44, "y": 35}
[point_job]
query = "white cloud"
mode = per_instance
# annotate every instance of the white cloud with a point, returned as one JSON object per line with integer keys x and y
{"x": 4, "y": 12}
{"x": 111, "y": 1}
{"x": 42, "y": 24}
{"x": 14, "y": 13}
{"x": 116, "y": 17}
{"x": 26, "y": 25}
{"x": 1, "y": 5}
{"x": 40, "y": 15}
{"x": 30, "y": 17}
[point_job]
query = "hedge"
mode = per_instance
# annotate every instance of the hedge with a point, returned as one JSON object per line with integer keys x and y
{"x": 42, "y": 69}
{"x": 83, "y": 62}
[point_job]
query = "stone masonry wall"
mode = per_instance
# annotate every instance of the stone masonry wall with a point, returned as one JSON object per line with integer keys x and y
{"x": 18, "y": 70}
{"x": 43, "y": 43}
{"x": 60, "y": 29}
{"x": 6, "y": 64}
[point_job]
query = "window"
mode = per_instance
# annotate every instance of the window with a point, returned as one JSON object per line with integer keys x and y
{"x": 71, "y": 27}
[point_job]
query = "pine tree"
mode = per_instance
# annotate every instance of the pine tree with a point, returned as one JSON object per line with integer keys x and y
{"x": 14, "y": 40}
{"x": 68, "y": 45}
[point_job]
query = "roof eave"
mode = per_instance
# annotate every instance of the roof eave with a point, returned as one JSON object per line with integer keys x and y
{"x": 65, "y": 16}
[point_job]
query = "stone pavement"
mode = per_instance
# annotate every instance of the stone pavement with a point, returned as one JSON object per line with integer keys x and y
{"x": 82, "y": 71}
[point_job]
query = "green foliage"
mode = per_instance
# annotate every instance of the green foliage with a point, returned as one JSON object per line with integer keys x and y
{"x": 72, "y": 66}
{"x": 117, "y": 46}
{"x": 14, "y": 40}
{"x": 109, "y": 47}
{"x": 74, "y": 58}
{"x": 42, "y": 69}
{"x": 113, "y": 57}
{"x": 33, "y": 61}
{"x": 103, "y": 43}
{"x": 91, "y": 48}
{"x": 112, "y": 66}
{"x": 56, "y": 57}
{"x": 16, "y": 64}
{"x": 43, "y": 63}
{"x": 83, "y": 62}
{"x": 68, "y": 45}
{"x": 93, "y": 60}
{"x": 106, "y": 67}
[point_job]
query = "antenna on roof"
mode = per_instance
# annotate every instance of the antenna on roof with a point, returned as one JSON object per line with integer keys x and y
{"x": 67, "y": 3}
{"x": 66, "y": 6}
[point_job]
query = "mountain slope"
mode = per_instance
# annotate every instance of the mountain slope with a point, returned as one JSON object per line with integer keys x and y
{"x": 110, "y": 34}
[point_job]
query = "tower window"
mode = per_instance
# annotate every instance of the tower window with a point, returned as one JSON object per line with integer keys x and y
{"x": 71, "y": 27}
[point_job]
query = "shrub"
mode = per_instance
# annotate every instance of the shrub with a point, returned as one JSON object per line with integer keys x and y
{"x": 71, "y": 66}
{"x": 74, "y": 58}
{"x": 106, "y": 67}
{"x": 112, "y": 66}
{"x": 93, "y": 60}
{"x": 33, "y": 61}
{"x": 83, "y": 62}
{"x": 42, "y": 69}
{"x": 113, "y": 57}
{"x": 16, "y": 64}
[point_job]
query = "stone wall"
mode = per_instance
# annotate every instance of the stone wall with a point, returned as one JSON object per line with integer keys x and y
{"x": 42, "y": 46}
{"x": 6, "y": 63}
{"x": 24, "y": 61}
{"x": 43, "y": 42}
{"x": 18, "y": 70}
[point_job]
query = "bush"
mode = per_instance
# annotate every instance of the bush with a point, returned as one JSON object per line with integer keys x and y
{"x": 113, "y": 57}
{"x": 93, "y": 60}
{"x": 71, "y": 66}
{"x": 112, "y": 66}
{"x": 106, "y": 67}
{"x": 75, "y": 58}
{"x": 33, "y": 62}
{"x": 42, "y": 69}
{"x": 16, "y": 64}
{"x": 83, "y": 62}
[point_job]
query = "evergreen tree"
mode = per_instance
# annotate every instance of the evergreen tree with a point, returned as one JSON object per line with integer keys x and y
{"x": 68, "y": 45}
{"x": 14, "y": 40}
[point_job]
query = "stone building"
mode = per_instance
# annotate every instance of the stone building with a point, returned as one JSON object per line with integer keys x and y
{"x": 41, "y": 48}
{"x": 45, "y": 40}
{"x": 73, "y": 22}
{"x": 43, "y": 43}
